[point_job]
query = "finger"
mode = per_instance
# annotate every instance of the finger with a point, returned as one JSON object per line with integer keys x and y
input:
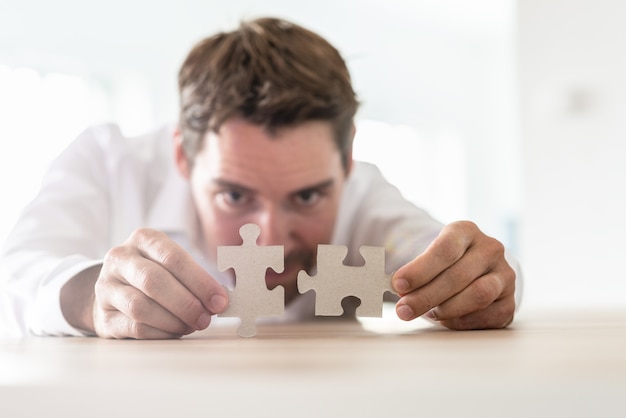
{"x": 114, "y": 324}
{"x": 142, "y": 309}
{"x": 495, "y": 316}
{"x": 113, "y": 296}
{"x": 124, "y": 265}
{"x": 159, "y": 285}
{"x": 481, "y": 293}
{"x": 445, "y": 286}
{"x": 445, "y": 250}
{"x": 157, "y": 246}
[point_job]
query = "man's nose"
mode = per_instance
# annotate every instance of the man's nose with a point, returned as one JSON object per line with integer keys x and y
{"x": 275, "y": 226}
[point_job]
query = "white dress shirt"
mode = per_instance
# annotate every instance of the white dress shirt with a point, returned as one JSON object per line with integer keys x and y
{"x": 106, "y": 185}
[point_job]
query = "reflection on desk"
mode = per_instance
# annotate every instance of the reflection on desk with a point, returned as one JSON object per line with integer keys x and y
{"x": 547, "y": 364}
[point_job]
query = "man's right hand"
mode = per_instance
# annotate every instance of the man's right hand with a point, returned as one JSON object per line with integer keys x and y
{"x": 151, "y": 288}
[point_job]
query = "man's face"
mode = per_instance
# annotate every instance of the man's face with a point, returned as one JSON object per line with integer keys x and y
{"x": 289, "y": 184}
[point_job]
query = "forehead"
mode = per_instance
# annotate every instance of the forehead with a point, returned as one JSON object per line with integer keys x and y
{"x": 291, "y": 157}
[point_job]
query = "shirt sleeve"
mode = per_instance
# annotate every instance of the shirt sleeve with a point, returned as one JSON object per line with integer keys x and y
{"x": 60, "y": 233}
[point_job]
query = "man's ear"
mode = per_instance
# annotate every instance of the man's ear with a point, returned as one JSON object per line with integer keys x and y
{"x": 180, "y": 158}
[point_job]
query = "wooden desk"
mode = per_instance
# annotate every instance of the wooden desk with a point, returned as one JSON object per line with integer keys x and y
{"x": 546, "y": 365}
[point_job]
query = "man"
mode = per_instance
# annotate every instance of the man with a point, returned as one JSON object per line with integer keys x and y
{"x": 121, "y": 241}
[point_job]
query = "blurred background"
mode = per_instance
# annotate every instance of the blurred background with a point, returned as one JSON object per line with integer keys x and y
{"x": 508, "y": 113}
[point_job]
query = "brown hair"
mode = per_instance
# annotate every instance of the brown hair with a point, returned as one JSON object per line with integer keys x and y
{"x": 270, "y": 72}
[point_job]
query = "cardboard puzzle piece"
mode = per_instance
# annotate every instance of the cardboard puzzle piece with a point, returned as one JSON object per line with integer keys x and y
{"x": 334, "y": 281}
{"x": 251, "y": 298}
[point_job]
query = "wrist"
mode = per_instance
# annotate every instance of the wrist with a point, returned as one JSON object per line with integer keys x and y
{"x": 78, "y": 297}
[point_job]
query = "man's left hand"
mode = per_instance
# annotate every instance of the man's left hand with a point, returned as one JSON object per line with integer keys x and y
{"x": 462, "y": 280}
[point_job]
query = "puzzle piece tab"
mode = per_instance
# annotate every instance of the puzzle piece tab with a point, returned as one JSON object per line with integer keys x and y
{"x": 251, "y": 298}
{"x": 334, "y": 281}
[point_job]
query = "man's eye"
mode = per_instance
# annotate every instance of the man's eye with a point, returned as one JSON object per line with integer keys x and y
{"x": 307, "y": 198}
{"x": 234, "y": 198}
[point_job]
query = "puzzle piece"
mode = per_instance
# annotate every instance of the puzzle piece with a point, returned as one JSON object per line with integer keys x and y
{"x": 334, "y": 281}
{"x": 251, "y": 298}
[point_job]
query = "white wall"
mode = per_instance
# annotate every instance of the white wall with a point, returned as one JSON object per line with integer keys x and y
{"x": 572, "y": 66}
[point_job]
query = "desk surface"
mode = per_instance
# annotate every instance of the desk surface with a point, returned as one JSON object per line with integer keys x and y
{"x": 566, "y": 364}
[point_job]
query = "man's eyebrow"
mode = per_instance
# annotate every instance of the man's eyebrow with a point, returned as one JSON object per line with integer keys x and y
{"x": 318, "y": 186}
{"x": 232, "y": 185}
{"x": 226, "y": 184}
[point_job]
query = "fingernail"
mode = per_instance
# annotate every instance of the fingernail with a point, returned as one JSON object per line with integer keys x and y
{"x": 217, "y": 303}
{"x": 204, "y": 320}
{"x": 405, "y": 312}
{"x": 401, "y": 285}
